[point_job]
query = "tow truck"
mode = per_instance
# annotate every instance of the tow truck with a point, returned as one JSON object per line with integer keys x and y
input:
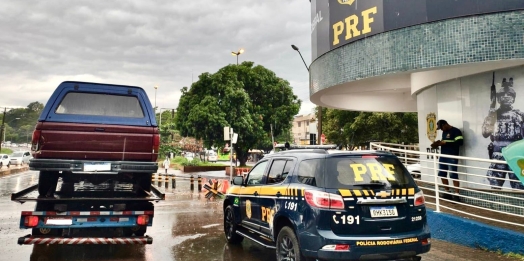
{"x": 108, "y": 213}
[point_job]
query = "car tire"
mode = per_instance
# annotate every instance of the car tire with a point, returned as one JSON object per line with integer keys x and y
{"x": 47, "y": 181}
{"x": 287, "y": 247}
{"x": 230, "y": 226}
{"x": 1, "y": 164}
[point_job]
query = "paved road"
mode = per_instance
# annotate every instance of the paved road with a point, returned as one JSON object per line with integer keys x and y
{"x": 186, "y": 227}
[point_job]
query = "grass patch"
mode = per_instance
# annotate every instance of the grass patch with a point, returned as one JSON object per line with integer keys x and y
{"x": 499, "y": 252}
{"x": 6, "y": 151}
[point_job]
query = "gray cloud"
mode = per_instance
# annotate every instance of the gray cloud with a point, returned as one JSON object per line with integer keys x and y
{"x": 146, "y": 43}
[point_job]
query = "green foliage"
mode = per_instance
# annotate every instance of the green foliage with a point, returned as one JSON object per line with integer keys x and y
{"x": 351, "y": 128}
{"x": 196, "y": 162}
{"x": 6, "y": 151}
{"x": 245, "y": 97}
{"x": 165, "y": 149}
{"x": 21, "y": 130}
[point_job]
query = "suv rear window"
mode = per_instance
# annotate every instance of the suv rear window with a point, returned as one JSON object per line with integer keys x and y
{"x": 348, "y": 172}
{"x": 81, "y": 103}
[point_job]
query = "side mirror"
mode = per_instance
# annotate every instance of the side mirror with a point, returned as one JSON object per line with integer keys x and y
{"x": 238, "y": 181}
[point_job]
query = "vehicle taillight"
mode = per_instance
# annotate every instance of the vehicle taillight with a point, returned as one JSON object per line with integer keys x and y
{"x": 419, "y": 199}
{"x": 156, "y": 142}
{"x": 425, "y": 241}
{"x": 31, "y": 221}
{"x": 337, "y": 247}
{"x": 36, "y": 137}
{"x": 321, "y": 199}
{"x": 142, "y": 220}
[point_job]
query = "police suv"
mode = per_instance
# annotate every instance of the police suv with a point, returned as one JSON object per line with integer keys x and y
{"x": 318, "y": 204}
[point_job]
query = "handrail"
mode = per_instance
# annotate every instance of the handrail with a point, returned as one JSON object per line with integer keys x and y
{"x": 474, "y": 192}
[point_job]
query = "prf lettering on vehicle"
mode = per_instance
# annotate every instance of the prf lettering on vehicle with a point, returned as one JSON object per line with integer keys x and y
{"x": 374, "y": 169}
{"x": 354, "y": 25}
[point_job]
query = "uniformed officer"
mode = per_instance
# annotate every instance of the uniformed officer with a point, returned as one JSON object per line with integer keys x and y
{"x": 503, "y": 126}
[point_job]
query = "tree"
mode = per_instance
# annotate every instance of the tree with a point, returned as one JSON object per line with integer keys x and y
{"x": 17, "y": 130}
{"x": 245, "y": 97}
{"x": 352, "y": 128}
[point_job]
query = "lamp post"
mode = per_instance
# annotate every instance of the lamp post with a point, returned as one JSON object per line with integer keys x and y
{"x": 5, "y": 127}
{"x": 156, "y": 87}
{"x": 319, "y": 107}
{"x": 241, "y": 51}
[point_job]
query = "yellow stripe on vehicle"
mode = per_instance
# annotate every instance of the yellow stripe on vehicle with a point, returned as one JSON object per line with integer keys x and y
{"x": 357, "y": 192}
{"x": 365, "y": 193}
{"x": 411, "y": 191}
{"x": 398, "y": 192}
{"x": 403, "y": 192}
{"x": 372, "y": 192}
{"x": 345, "y": 192}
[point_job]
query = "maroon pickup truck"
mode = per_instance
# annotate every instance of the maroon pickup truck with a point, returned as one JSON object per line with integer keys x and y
{"x": 96, "y": 133}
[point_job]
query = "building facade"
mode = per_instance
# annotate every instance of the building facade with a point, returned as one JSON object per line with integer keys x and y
{"x": 462, "y": 61}
{"x": 303, "y": 126}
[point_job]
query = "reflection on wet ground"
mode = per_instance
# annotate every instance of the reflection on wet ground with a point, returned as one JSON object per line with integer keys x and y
{"x": 186, "y": 227}
{"x": 87, "y": 252}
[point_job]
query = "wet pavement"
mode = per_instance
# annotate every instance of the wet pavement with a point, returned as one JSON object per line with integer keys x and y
{"x": 186, "y": 227}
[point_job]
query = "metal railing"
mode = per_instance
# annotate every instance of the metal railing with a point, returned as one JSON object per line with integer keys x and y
{"x": 479, "y": 199}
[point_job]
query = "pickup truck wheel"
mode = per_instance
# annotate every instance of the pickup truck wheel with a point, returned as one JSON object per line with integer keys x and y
{"x": 287, "y": 245}
{"x": 47, "y": 181}
{"x": 230, "y": 227}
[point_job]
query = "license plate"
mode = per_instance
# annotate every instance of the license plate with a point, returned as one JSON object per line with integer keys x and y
{"x": 97, "y": 166}
{"x": 62, "y": 221}
{"x": 389, "y": 211}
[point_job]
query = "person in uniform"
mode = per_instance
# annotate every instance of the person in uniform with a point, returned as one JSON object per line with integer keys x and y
{"x": 503, "y": 126}
{"x": 450, "y": 144}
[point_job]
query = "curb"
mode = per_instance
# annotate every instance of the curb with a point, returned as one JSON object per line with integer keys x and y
{"x": 474, "y": 234}
{"x": 7, "y": 172}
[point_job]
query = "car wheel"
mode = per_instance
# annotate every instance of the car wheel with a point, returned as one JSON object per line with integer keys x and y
{"x": 287, "y": 245}
{"x": 1, "y": 164}
{"x": 230, "y": 227}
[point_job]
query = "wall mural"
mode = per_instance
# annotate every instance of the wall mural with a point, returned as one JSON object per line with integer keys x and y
{"x": 503, "y": 125}
{"x": 489, "y": 110}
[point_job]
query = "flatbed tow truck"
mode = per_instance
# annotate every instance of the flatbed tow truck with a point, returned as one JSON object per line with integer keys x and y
{"x": 107, "y": 213}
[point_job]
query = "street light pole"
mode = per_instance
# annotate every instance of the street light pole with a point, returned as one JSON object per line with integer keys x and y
{"x": 4, "y": 127}
{"x": 319, "y": 127}
{"x": 241, "y": 51}
{"x": 156, "y": 87}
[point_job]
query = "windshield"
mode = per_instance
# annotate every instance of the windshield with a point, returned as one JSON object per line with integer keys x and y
{"x": 349, "y": 172}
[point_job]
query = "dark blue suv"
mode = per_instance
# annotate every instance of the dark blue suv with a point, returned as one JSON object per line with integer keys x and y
{"x": 329, "y": 205}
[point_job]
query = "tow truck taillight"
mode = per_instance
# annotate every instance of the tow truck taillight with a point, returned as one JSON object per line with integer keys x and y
{"x": 142, "y": 220}
{"x": 419, "y": 199}
{"x": 156, "y": 142}
{"x": 31, "y": 221}
{"x": 321, "y": 199}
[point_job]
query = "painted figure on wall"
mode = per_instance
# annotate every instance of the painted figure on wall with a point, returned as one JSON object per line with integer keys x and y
{"x": 503, "y": 126}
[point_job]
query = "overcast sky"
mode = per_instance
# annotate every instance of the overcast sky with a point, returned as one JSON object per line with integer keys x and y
{"x": 146, "y": 43}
